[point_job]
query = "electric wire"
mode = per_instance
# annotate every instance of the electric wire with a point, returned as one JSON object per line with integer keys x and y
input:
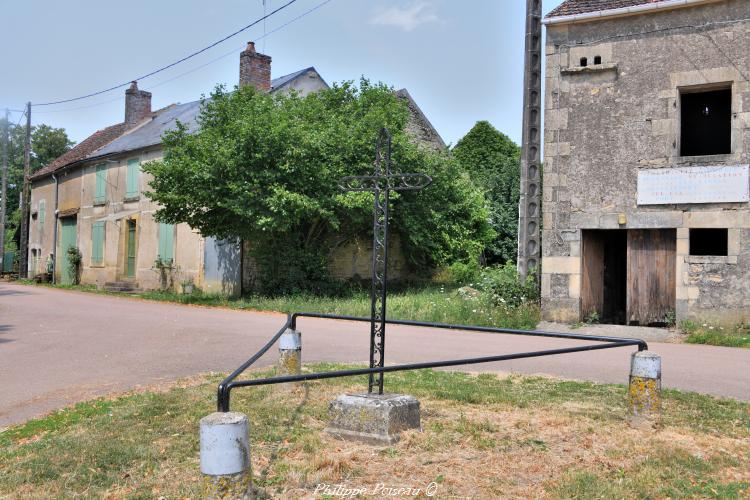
{"x": 163, "y": 68}
{"x": 197, "y": 68}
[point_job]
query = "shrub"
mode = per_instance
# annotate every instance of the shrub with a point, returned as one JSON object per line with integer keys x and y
{"x": 461, "y": 273}
{"x": 504, "y": 288}
{"x": 74, "y": 263}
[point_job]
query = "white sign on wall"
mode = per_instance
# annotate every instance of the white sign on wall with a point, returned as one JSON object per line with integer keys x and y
{"x": 720, "y": 184}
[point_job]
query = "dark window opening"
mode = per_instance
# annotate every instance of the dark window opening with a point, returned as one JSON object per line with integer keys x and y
{"x": 584, "y": 62}
{"x": 598, "y": 60}
{"x": 709, "y": 242}
{"x": 706, "y": 123}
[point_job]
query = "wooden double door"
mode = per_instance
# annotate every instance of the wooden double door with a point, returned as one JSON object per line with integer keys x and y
{"x": 628, "y": 276}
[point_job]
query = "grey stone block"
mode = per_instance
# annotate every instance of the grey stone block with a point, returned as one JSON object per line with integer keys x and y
{"x": 373, "y": 418}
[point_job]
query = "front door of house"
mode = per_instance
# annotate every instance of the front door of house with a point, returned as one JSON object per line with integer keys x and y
{"x": 130, "y": 259}
{"x": 67, "y": 240}
{"x": 651, "y": 275}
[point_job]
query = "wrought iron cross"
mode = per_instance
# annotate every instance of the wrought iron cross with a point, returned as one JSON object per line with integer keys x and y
{"x": 381, "y": 184}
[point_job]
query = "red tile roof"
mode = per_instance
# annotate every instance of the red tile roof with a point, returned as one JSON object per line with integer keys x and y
{"x": 572, "y": 7}
{"x": 83, "y": 149}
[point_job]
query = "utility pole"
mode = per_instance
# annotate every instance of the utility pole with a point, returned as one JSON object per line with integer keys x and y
{"x": 529, "y": 206}
{"x": 4, "y": 191}
{"x": 23, "y": 260}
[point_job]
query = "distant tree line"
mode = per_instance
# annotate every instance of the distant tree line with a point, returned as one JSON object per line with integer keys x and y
{"x": 47, "y": 143}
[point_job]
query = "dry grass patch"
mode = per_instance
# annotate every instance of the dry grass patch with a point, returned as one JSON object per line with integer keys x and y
{"x": 482, "y": 437}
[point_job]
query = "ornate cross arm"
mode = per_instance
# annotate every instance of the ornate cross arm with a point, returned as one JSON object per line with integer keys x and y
{"x": 394, "y": 182}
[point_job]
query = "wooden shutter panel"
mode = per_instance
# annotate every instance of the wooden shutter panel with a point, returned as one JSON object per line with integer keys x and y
{"x": 166, "y": 242}
{"x": 131, "y": 181}
{"x": 42, "y": 211}
{"x": 97, "y": 243}
{"x": 100, "y": 195}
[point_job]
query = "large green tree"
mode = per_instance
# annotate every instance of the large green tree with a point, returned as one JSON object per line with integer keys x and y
{"x": 264, "y": 168}
{"x": 493, "y": 161}
{"x": 47, "y": 143}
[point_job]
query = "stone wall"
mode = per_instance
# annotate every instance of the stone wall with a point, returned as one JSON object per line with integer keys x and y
{"x": 604, "y": 122}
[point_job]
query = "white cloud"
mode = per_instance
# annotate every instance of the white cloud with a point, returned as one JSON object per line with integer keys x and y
{"x": 406, "y": 18}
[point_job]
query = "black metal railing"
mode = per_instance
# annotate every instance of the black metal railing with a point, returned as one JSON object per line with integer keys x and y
{"x": 230, "y": 383}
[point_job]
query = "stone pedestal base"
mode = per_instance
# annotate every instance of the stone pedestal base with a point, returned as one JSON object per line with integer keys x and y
{"x": 373, "y": 418}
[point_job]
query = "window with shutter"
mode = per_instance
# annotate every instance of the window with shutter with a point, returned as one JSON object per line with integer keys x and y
{"x": 100, "y": 194}
{"x": 42, "y": 216}
{"x": 166, "y": 242}
{"x": 131, "y": 179}
{"x": 97, "y": 243}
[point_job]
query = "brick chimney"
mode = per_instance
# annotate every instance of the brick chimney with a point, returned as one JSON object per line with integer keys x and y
{"x": 137, "y": 105}
{"x": 255, "y": 69}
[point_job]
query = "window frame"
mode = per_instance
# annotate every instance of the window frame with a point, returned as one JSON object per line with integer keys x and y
{"x": 100, "y": 181}
{"x": 702, "y": 89}
{"x": 101, "y": 244}
{"x": 132, "y": 174}
{"x": 164, "y": 229}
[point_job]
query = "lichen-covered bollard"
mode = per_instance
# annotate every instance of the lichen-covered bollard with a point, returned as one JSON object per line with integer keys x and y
{"x": 644, "y": 390}
{"x": 290, "y": 354}
{"x": 225, "y": 456}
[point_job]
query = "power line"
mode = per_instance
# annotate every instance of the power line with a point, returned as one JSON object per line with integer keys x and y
{"x": 193, "y": 70}
{"x": 142, "y": 77}
{"x": 278, "y": 28}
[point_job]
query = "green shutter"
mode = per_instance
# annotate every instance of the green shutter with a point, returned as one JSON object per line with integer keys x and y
{"x": 101, "y": 184}
{"x": 131, "y": 180}
{"x": 42, "y": 215}
{"x": 166, "y": 242}
{"x": 97, "y": 242}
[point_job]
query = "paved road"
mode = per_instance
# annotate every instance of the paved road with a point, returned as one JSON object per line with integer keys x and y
{"x": 58, "y": 347}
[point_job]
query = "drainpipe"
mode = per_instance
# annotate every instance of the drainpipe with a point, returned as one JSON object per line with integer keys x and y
{"x": 54, "y": 237}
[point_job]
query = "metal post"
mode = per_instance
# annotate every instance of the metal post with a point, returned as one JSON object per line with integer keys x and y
{"x": 23, "y": 258}
{"x": 379, "y": 265}
{"x": 4, "y": 191}
{"x": 381, "y": 183}
{"x": 529, "y": 206}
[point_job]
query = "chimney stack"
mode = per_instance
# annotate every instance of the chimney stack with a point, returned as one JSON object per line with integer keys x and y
{"x": 137, "y": 105}
{"x": 255, "y": 69}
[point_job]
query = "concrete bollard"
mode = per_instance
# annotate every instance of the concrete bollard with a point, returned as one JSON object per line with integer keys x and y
{"x": 290, "y": 354}
{"x": 225, "y": 456}
{"x": 644, "y": 389}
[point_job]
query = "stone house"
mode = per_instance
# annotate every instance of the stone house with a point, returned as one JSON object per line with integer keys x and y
{"x": 647, "y": 144}
{"x": 92, "y": 198}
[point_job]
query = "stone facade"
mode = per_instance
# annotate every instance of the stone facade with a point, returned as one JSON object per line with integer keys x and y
{"x": 612, "y": 107}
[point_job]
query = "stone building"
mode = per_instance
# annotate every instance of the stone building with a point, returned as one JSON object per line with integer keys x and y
{"x": 647, "y": 144}
{"x": 91, "y": 198}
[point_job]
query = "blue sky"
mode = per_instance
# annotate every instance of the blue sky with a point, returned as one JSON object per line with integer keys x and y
{"x": 461, "y": 60}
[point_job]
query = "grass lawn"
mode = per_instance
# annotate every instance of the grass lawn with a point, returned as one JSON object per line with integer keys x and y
{"x": 483, "y": 436}
{"x": 738, "y": 336}
{"x": 432, "y": 303}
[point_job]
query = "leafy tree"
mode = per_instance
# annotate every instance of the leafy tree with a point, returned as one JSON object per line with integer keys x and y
{"x": 493, "y": 162}
{"x": 47, "y": 143}
{"x": 264, "y": 168}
